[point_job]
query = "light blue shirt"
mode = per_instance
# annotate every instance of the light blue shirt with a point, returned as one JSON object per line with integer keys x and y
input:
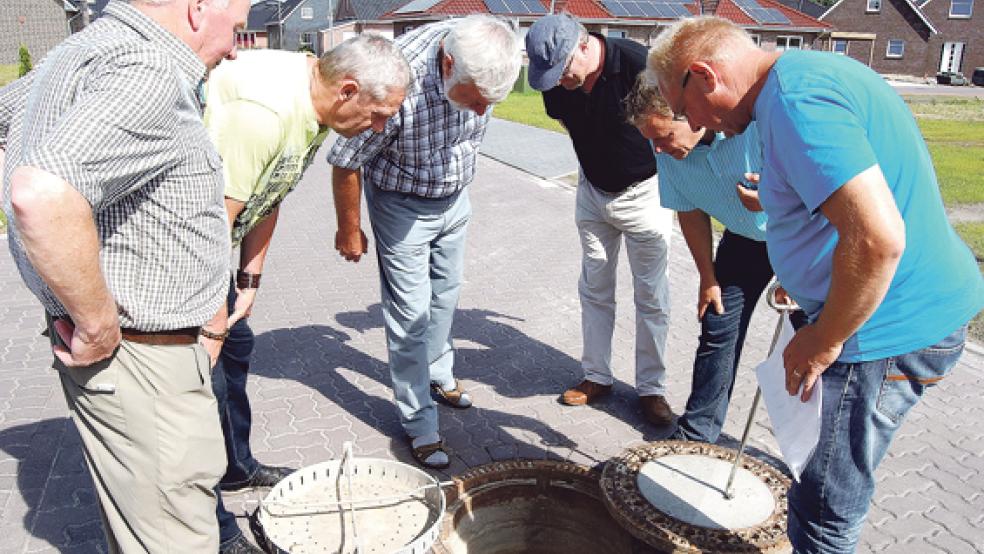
{"x": 824, "y": 119}
{"x": 705, "y": 180}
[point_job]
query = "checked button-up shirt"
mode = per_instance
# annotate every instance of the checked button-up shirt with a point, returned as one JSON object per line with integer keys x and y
{"x": 429, "y": 148}
{"x": 114, "y": 111}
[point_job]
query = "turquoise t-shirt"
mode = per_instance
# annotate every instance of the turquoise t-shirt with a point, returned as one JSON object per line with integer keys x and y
{"x": 705, "y": 180}
{"x": 823, "y": 119}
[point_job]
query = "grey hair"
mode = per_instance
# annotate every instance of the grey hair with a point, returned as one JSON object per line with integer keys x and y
{"x": 486, "y": 53}
{"x": 645, "y": 100}
{"x": 372, "y": 60}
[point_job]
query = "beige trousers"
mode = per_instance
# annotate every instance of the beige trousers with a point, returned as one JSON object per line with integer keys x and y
{"x": 150, "y": 430}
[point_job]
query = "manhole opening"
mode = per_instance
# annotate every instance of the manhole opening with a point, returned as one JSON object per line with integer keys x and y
{"x": 531, "y": 507}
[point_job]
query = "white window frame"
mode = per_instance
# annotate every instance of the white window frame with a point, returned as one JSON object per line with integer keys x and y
{"x": 833, "y": 46}
{"x": 873, "y": 6}
{"x": 618, "y": 33}
{"x": 245, "y": 39}
{"x": 301, "y": 42}
{"x": 757, "y": 39}
{"x": 788, "y": 38}
{"x": 888, "y": 48}
{"x": 307, "y": 12}
{"x": 960, "y": 15}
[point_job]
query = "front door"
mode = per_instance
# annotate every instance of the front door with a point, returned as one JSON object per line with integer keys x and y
{"x": 952, "y": 57}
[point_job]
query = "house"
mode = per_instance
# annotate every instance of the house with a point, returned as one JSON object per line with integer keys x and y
{"x": 771, "y": 23}
{"x": 37, "y": 24}
{"x": 908, "y": 37}
{"x": 296, "y": 24}
{"x": 76, "y": 19}
{"x": 353, "y": 17}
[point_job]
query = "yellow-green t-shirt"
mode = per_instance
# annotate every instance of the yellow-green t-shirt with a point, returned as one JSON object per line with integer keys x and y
{"x": 260, "y": 117}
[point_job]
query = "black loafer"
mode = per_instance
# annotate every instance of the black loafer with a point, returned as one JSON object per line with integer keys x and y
{"x": 265, "y": 476}
{"x": 240, "y": 546}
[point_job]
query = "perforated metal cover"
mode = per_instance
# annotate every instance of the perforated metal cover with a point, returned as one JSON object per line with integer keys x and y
{"x": 385, "y": 506}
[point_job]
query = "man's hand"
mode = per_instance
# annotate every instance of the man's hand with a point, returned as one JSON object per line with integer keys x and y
{"x": 351, "y": 244}
{"x": 709, "y": 294}
{"x": 748, "y": 197}
{"x": 84, "y": 349}
{"x": 244, "y": 305}
{"x": 806, "y": 357}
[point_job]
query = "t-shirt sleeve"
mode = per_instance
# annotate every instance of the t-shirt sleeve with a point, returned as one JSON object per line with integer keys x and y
{"x": 823, "y": 143}
{"x": 247, "y": 136}
{"x": 120, "y": 132}
{"x": 669, "y": 183}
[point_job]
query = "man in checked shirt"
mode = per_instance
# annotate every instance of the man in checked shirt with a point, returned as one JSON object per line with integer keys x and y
{"x": 417, "y": 171}
{"x": 114, "y": 196}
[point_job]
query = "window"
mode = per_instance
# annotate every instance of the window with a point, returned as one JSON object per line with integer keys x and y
{"x": 789, "y": 43}
{"x": 307, "y": 40}
{"x": 961, "y": 8}
{"x": 839, "y": 46}
{"x": 245, "y": 39}
{"x": 757, "y": 39}
{"x": 617, "y": 33}
{"x": 874, "y": 5}
{"x": 307, "y": 13}
{"x": 895, "y": 48}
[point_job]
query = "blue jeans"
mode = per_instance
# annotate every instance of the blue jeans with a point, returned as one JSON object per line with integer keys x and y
{"x": 743, "y": 271}
{"x": 864, "y": 404}
{"x": 420, "y": 244}
{"x": 229, "y": 386}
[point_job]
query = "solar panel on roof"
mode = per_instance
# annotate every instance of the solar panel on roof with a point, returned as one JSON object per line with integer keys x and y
{"x": 417, "y": 6}
{"x": 515, "y": 6}
{"x": 760, "y": 13}
{"x": 664, "y": 9}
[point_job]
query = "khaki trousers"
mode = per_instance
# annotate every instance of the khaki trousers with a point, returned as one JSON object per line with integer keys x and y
{"x": 150, "y": 430}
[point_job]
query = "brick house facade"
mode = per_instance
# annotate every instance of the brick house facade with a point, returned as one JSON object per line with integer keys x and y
{"x": 907, "y": 38}
{"x": 38, "y": 24}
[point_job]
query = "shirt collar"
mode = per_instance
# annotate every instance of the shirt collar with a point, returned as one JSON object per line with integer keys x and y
{"x": 185, "y": 59}
{"x": 613, "y": 63}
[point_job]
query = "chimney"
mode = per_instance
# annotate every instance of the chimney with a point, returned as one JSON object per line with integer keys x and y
{"x": 560, "y": 6}
{"x": 708, "y": 7}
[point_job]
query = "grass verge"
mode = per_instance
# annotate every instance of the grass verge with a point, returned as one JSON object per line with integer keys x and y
{"x": 527, "y": 108}
{"x": 973, "y": 234}
{"x": 8, "y": 72}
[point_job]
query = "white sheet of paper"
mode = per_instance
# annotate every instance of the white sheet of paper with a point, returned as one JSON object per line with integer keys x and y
{"x": 796, "y": 424}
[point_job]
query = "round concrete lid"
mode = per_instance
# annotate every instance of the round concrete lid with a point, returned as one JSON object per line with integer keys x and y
{"x": 670, "y": 494}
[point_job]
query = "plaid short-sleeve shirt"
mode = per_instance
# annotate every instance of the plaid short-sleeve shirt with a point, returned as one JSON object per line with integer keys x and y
{"x": 115, "y": 112}
{"x": 429, "y": 148}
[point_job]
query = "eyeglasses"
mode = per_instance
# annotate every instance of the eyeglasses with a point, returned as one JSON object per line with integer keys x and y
{"x": 683, "y": 89}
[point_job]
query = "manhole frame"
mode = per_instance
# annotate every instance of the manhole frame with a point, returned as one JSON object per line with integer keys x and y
{"x": 636, "y": 515}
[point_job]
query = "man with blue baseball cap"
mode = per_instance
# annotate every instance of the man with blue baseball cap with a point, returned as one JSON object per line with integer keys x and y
{"x": 585, "y": 77}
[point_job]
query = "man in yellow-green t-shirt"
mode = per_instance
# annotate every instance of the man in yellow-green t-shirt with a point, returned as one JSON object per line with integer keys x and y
{"x": 268, "y": 112}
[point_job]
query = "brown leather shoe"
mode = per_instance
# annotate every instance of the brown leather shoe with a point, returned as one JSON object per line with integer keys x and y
{"x": 656, "y": 410}
{"x": 585, "y": 392}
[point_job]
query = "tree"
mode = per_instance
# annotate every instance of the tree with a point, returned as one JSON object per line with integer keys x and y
{"x": 25, "y": 61}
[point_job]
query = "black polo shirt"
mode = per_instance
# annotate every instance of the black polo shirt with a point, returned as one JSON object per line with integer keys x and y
{"x": 612, "y": 153}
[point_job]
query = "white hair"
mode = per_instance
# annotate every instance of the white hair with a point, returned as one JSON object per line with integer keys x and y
{"x": 372, "y": 60}
{"x": 486, "y": 53}
{"x": 218, "y": 3}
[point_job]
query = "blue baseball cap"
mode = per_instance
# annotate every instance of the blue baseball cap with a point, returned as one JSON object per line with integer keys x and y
{"x": 549, "y": 44}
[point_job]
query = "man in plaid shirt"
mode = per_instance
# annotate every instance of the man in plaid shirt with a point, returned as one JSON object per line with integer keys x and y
{"x": 417, "y": 171}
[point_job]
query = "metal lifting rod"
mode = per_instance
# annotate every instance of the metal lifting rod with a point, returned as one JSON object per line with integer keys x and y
{"x": 782, "y": 308}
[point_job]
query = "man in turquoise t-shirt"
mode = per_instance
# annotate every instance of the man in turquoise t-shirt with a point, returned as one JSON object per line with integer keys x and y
{"x": 858, "y": 236}
{"x": 268, "y": 112}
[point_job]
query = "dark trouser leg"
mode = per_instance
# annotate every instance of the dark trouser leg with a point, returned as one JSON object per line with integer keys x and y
{"x": 743, "y": 271}
{"x": 229, "y": 385}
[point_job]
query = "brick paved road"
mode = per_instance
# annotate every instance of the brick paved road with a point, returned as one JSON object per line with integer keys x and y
{"x": 320, "y": 377}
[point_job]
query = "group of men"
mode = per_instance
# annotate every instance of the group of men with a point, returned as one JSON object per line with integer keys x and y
{"x": 128, "y": 177}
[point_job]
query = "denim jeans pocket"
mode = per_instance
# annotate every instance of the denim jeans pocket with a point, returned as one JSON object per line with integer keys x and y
{"x": 909, "y": 375}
